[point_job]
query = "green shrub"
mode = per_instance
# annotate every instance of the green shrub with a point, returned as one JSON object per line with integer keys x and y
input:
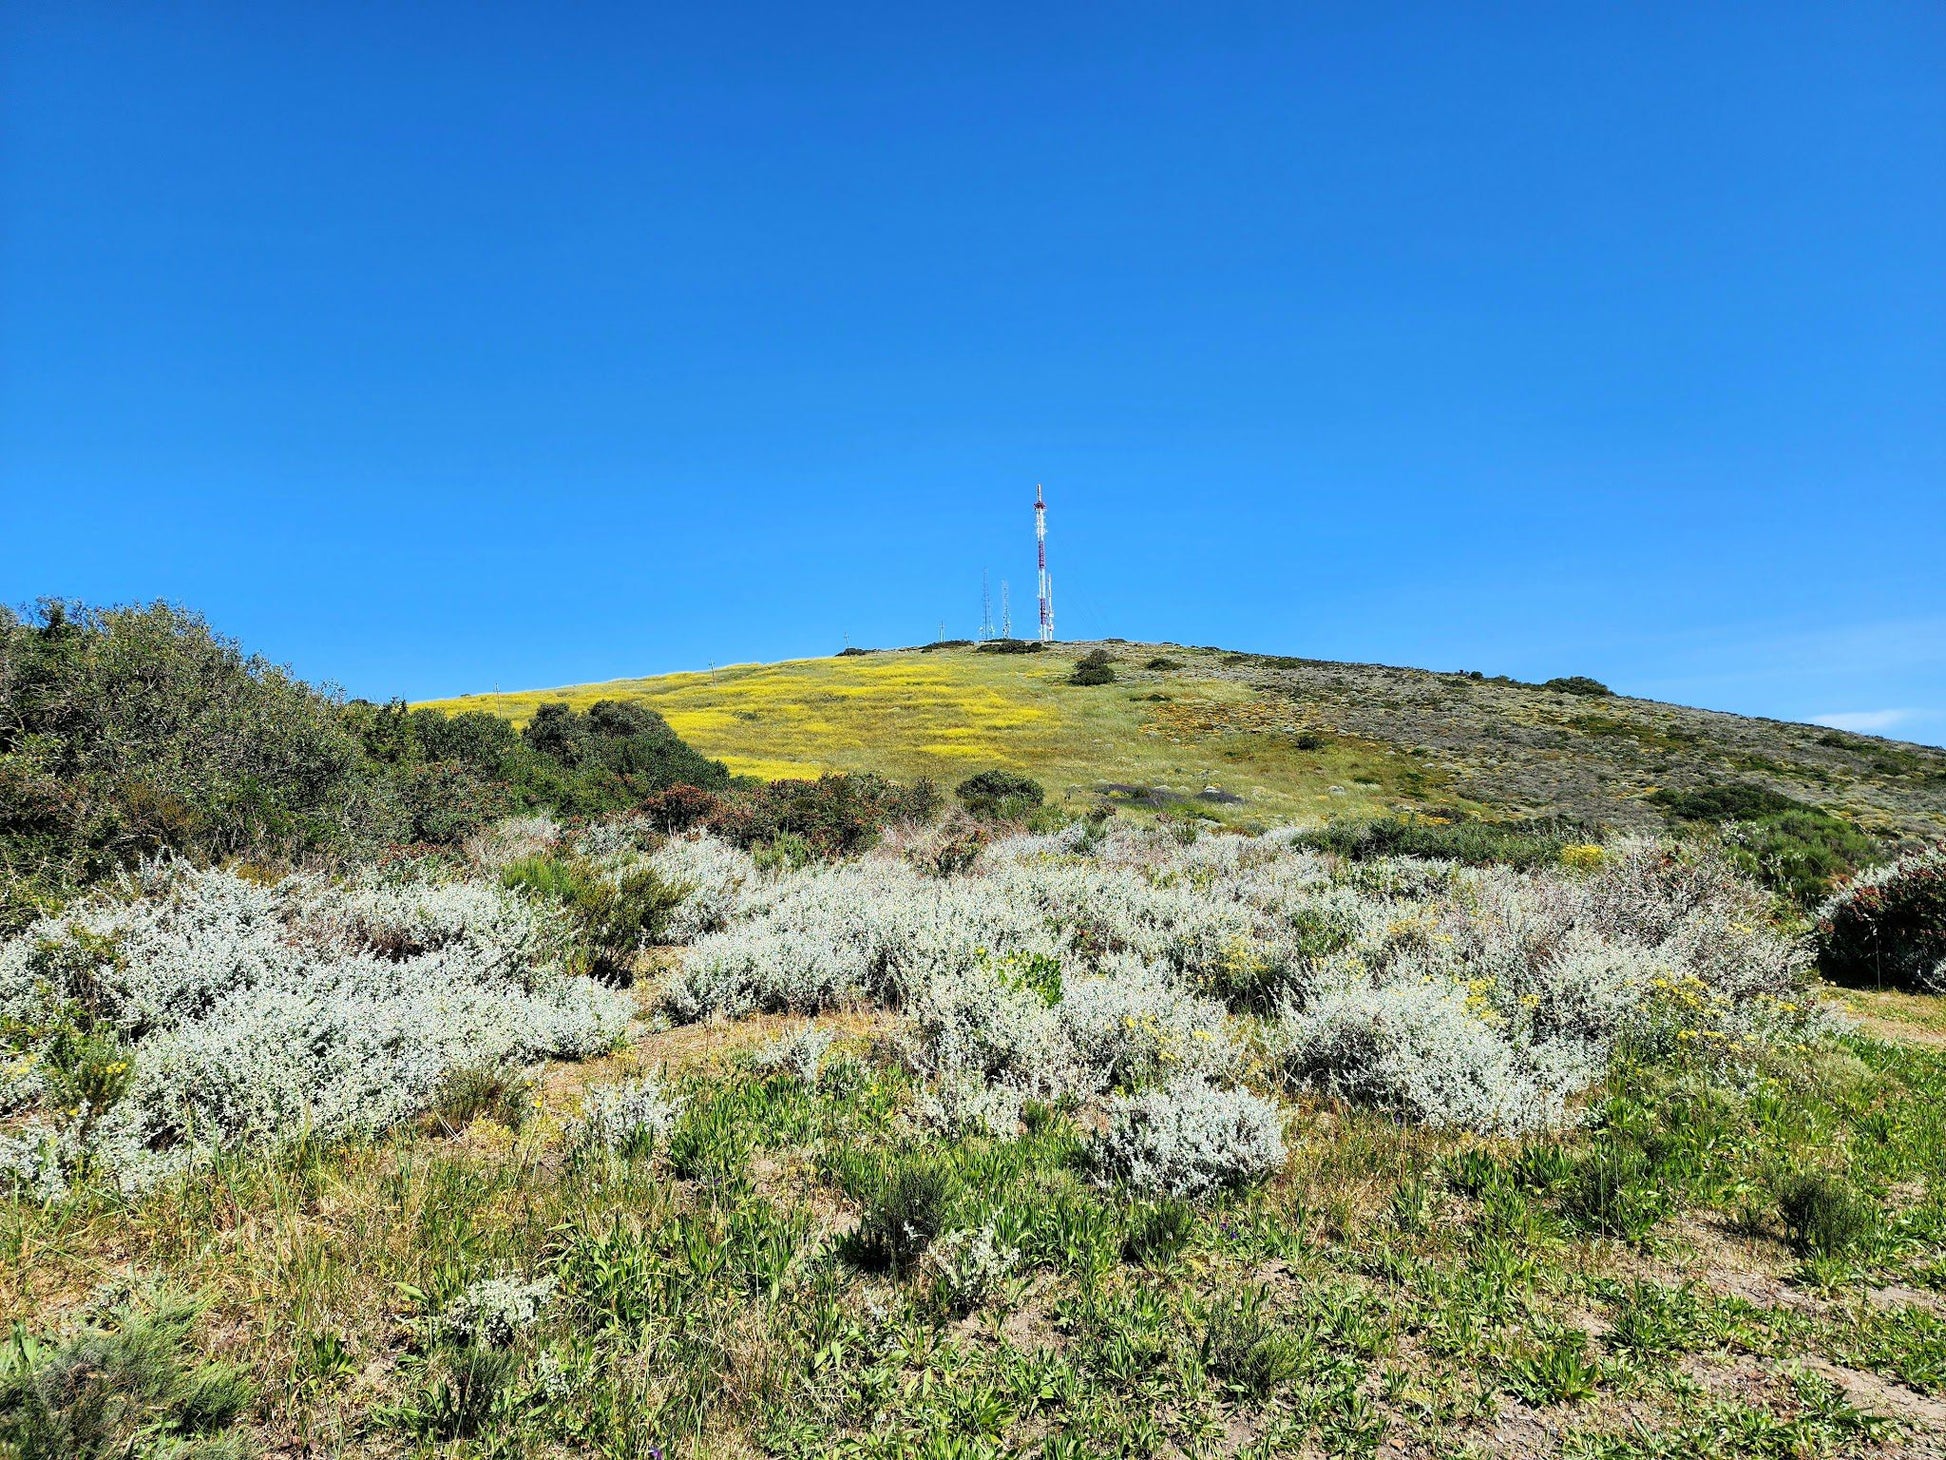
{"x": 1796, "y": 849}
{"x": 1822, "y": 1216}
{"x": 1577, "y": 684}
{"x": 1156, "y": 1231}
{"x": 1477, "y": 843}
{"x": 1011, "y": 646}
{"x": 129, "y": 731}
{"x": 1162, "y": 663}
{"x": 623, "y": 748}
{"x": 1097, "y": 666}
{"x": 681, "y": 807}
{"x": 911, "y": 1206}
{"x": 1245, "y": 1349}
{"x": 1000, "y": 795}
{"x": 125, "y": 1387}
{"x": 615, "y": 917}
{"x": 835, "y": 815}
{"x": 1889, "y": 926}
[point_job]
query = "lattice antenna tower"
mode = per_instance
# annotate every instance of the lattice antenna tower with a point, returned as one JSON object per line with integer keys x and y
{"x": 1006, "y": 613}
{"x": 1040, "y": 553}
{"x": 986, "y": 608}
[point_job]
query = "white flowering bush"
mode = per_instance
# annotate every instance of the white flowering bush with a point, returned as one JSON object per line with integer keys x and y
{"x": 1189, "y": 1139}
{"x": 255, "y": 1012}
{"x": 1423, "y": 1051}
{"x": 978, "y": 1026}
{"x": 630, "y": 1116}
{"x": 34, "y": 1162}
{"x": 495, "y": 1311}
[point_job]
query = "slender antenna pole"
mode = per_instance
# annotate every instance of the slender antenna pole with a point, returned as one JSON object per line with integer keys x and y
{"x": 1040, "y": 553}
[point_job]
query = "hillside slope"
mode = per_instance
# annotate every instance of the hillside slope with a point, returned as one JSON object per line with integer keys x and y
{"x": 1261, "y": 738}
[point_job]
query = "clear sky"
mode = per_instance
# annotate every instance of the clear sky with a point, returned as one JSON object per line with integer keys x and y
{"x": 438, "y": 347}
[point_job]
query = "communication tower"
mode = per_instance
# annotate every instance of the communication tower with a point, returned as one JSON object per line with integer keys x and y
{"x": 1040, "y": 551}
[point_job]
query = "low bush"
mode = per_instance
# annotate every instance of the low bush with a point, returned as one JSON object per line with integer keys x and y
{"x": 1453, "y": 839}
{"x": 1162, "y": 663}
{"x": 968, "y": 1268}
{"x": 125, "y": 1384}
{"x": 911, "y": 1206}
{"x": 800, "y": 1054}
{"x": 1136, "y": 1029}
{"x": 494, "y": 1312}
{"x": 1822, "y": 1215}
{"x": 1577, "y": 684}
{"x": 1190, "y": 1140}
{"x": 1011, "y": 646}
{"x": 630, "y": 1118}
{"x": 615, "y": 914}
{"x": 1422, "y": 1051}
{"x": 1000, "y": 795}
{"x": 1799, "y": 850}
{"x": 681, "y": 807}
{"x": 1097, "y": 666}
{"x": 255, "y": 1012}
{"x": 1888, "y": 926}
{"x": 833, "y": 816}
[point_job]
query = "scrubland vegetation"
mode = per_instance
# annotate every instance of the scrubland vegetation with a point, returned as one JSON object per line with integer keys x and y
{"x": 632, "y": 1116}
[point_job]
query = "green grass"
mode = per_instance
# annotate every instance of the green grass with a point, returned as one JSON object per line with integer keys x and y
{"x": 949, "y": 713}
{"x": 767, "y": 1285}
{"x": 1288, "y": 739}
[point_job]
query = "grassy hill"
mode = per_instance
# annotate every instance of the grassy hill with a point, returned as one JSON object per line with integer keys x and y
{"x": 1255, "y": 738}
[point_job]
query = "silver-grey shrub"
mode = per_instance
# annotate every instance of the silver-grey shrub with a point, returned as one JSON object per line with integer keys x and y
{"x": 495, "y": 1311}
{"x": 1418, "y": 1049}
{"x": 257, "y": 1012}
{"x": 1133, "y": 1026}
{"x": 629, "y": 1115}
{"x": 1189, "y": 1139}
{"x": 1479, "y": 997}
{"x": 801, "y": 1053}
{"x": 721, "y": 881}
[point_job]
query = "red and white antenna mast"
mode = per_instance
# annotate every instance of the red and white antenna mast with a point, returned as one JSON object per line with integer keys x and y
{"x": 1046, "y": 583}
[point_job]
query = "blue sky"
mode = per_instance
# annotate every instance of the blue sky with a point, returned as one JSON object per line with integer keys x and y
{"x": 434, "y": 348}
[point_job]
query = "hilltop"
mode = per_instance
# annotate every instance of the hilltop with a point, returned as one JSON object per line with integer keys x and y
{"x": 1253, "y": 738}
